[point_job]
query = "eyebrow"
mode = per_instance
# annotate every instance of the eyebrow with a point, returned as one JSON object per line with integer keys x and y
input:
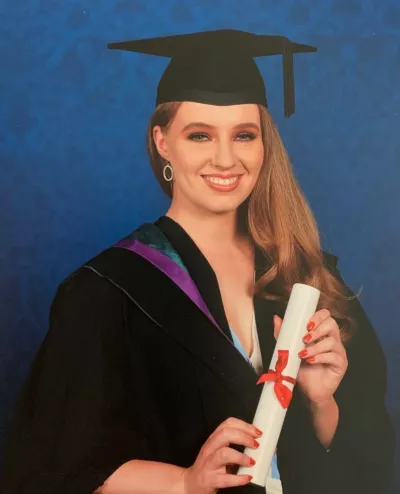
{"x": 246, "y": 125}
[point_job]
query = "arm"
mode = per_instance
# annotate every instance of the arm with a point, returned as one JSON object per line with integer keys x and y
{"x": 77, "y": 421}
{"x": 361, "y": 444}
{"x": 325, "y": 418}
{"x": 144, "y": 477}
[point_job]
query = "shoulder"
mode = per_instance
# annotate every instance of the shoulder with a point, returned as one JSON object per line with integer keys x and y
{"x": 330, "y": 261}
{"x": 87, "y": 311}
{"x": 95, "y": 274}
{"x": 86, "y": 288}
{"x": 364, "y": 344}
{"x": 106, "y": 279}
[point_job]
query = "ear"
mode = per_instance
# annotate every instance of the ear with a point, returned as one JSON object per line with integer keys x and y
{"x": 160, "y": 141}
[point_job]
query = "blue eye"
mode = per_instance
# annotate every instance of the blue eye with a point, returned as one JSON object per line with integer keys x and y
{"x": 198, "y": 137}
{"x": 201, "y": 137}
{"x": 246, "y": 136}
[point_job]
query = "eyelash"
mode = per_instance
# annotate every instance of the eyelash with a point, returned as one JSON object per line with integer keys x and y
{"x": 195, "y": 137}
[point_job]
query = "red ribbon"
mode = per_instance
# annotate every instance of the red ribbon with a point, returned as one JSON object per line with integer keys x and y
{"x": 283, "y": 393}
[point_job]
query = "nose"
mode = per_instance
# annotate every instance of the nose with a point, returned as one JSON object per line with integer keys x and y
{"x": 224, "y": 157}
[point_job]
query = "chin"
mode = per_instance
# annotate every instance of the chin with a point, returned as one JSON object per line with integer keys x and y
{"x": 224, "y": 206}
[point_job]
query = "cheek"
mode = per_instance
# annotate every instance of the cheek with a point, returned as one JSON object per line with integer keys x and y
{"x": 252, "y": 156}
{"x": 260, "y": 155}
{"x": 189, "y": 158}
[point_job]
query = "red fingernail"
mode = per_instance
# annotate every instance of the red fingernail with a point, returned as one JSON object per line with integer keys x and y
{"x": 252, "y": 461}
{"x": 256, "y": 444}
{"x": 250, "y": 477}
{"x": 311, "y": 325}
{"x": 310, "y": 359}
{"x": 307, "y": 338}
{"x": 258, "y": 432}
{"x": 303, "y": 353}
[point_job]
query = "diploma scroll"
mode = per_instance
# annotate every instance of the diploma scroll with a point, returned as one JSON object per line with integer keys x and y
{"x": 280, "y": 380}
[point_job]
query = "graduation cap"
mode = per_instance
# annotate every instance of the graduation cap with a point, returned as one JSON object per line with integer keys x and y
{"x": 218, "y": 67}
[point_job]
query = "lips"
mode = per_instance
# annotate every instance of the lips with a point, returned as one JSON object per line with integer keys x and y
{"x": 224, "y": 183}
{"x": 222, "y": 175}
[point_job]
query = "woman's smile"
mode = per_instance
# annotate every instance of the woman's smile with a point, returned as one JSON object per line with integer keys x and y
{"x": 222, "y": 145}
{"x": 223, "y": 183}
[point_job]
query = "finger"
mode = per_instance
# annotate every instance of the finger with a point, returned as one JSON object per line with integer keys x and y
{"x": 317, "y": 319}
{"x": 225, "y": 456}
{"x": 228, "y": 480}
{"x": 227, "y": 436}
{"x": 328, "y": 327}
{"x": 239, "y": 424}
{"x": 326, "y": 345}
{"x": 335, "y": 360}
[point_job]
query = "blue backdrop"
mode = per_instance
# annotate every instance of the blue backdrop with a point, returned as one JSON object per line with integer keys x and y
{"x": 74, "y": 172}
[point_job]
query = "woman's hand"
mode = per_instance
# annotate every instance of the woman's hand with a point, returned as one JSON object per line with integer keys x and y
{"x": 210, "y": 471}
{"x": 324, "y": 358}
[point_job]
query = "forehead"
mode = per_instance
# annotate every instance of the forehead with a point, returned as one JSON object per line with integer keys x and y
{"x": 217, "y": 115}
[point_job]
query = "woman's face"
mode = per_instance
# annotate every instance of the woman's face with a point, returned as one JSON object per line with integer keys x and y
{"x": 216, "y": 153}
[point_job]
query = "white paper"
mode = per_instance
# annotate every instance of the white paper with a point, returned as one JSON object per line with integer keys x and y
{"x": 270, "y": 414}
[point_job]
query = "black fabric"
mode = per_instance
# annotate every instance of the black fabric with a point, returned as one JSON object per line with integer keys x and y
{"x": 217, "y": 67}
{"x": 360, "y": 459}
{"x": 207, "y": 285}
{"x": 198, "y": 267}
{"x": 76, "y": 407}
{"x": 131, "y": 368}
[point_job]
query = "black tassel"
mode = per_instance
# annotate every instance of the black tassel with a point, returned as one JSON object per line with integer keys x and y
{"x": 288, "y": 79}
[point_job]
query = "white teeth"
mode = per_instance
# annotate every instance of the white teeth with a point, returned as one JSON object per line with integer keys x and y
{"x": 222, "y": 181}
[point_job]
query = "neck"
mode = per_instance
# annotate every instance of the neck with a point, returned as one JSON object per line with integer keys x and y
{"x": 209, "y": 230}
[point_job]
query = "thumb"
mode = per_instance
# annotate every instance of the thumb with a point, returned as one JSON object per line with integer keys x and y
{"x": 277, "y": 325}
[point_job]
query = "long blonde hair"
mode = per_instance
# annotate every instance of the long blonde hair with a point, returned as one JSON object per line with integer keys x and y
{"x": 278, "y": 220}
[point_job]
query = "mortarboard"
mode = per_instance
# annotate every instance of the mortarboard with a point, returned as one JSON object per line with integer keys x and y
{"x": 218, "y": 67}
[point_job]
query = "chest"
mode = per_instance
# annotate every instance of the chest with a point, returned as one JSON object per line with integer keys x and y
{"x": 236, "y": 281}
{"x": 181, "y": 393}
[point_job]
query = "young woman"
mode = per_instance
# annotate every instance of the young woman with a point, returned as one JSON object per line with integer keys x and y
{"x": 146, "y": 380}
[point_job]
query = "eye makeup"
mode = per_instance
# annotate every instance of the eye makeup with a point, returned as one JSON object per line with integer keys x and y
{"x": 202, "y": 137}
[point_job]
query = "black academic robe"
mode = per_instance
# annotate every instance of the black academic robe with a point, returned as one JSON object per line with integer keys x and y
{"x": 131, "y": 368}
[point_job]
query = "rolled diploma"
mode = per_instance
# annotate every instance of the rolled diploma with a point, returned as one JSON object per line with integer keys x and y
{"x": 270, "y": 414}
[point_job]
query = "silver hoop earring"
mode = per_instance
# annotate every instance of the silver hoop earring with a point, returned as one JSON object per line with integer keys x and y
{"x": 171, "y": 172}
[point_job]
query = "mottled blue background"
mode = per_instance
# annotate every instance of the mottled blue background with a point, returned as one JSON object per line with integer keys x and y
{"x": 75, "y": 176}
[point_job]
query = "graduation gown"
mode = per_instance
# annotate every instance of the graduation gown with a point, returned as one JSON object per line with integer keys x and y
{"x": 139, "y": 363}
